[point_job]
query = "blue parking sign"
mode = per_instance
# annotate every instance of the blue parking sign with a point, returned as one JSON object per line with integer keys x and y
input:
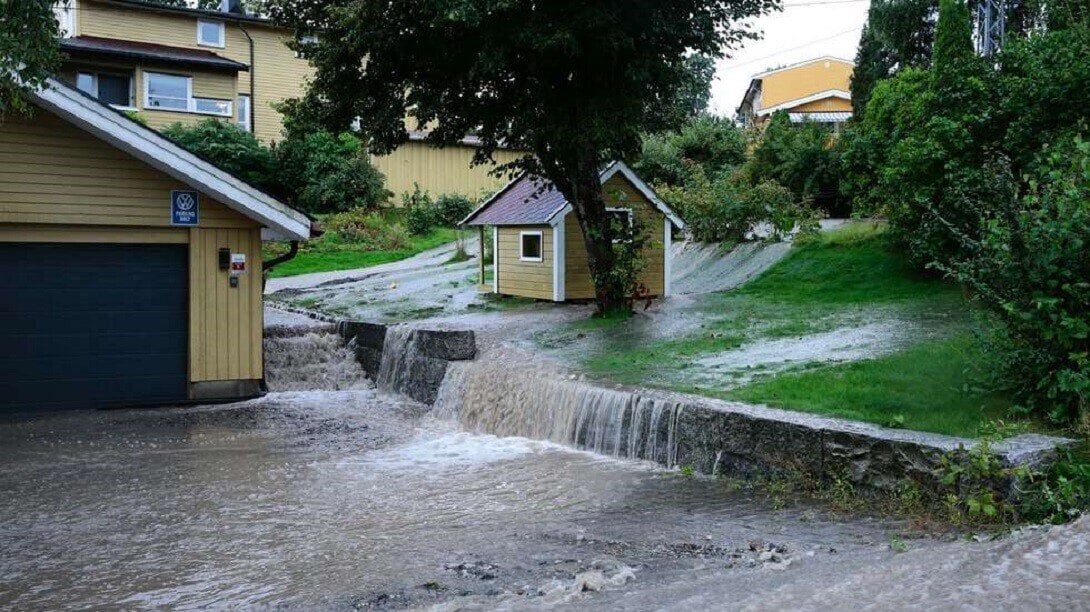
{"x": 185, "y": 208}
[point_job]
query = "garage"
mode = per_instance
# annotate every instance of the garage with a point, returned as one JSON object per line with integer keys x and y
{"x": 130, "y": 269}
{"x": 84, "y": 331}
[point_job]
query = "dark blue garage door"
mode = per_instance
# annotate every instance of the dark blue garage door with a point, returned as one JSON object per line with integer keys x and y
{"x": 92, "y": 325}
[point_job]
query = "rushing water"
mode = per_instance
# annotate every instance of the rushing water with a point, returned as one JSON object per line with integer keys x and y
{"x": 354, "y": 499}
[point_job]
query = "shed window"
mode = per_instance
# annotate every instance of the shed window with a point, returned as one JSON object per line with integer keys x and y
{"x": 530, "y": 246}
{"x": 112, "y": 89}
{"x": 210, "y": 33}
{"x": 621, "y": 221}
{"x": 166, "y": 91}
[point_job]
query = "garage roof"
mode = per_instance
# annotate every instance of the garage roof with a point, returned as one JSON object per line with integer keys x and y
{"x": 531, "y": 200}
{"x": 147, "y": 145}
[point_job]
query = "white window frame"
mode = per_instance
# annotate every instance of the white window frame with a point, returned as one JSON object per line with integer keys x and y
{"x": 190, "y": 100}
{"x": 229, "y": 113}
{"x": 303, "y": 43}
{"x": 541, "y": 246}
{"x": 631, "y": 218}
{"x": 244, "y": 118}
{"x": 66, "y": 17}
{"x": 131, "y": 106}
{"x": 219, "y": 44}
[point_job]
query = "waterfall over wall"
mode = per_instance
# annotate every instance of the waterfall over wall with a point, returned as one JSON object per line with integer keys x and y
{"x": 510, "y": 402}
{"x": 308, "y": 358}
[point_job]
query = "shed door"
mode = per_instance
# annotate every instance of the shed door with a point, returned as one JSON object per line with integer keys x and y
{"x": 92, "y": 325}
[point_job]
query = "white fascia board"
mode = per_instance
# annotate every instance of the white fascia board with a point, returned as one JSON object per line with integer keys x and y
{"x": 162, "y": 154}
{"x": 620, "y": 166}
{"x": 824, "y": 58}
{"x": 821, "y": 95}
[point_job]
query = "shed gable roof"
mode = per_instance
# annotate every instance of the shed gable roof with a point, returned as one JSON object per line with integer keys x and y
{"x": 158, "y": 152}
{"x": 531, "y": 200}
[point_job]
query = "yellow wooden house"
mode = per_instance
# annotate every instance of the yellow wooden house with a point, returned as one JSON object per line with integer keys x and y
{"x": 538, "y": 249}
{"x": 175, "y": 64}
{"x": 817, "y": 90}
{"x": 130, "y": 269}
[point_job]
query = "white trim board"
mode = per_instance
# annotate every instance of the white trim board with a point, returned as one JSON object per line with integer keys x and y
{"x": 667, "y": 271}
{"x": 823, "y": 58}
{"x": 558, "y": 262}
{"x": 619, "y": 166}
{"x": 541, "y": 246}
{"x": 821, "y": 95}
{"x": 153, "y": 149}
{"x": 495, "y": 259}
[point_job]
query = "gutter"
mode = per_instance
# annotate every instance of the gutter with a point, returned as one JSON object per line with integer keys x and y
{"x": 253, "y": 81}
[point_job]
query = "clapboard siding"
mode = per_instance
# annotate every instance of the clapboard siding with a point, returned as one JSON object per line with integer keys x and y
{"x": 279, "y": 74}
{"x": 618, "y": 193}
{"x": 525, "y": 278}
{"x": 74, "y": 178}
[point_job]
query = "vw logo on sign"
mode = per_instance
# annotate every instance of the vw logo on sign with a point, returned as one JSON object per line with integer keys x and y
{"x": 186, "y": 201}
{"x": 184, "y": 208}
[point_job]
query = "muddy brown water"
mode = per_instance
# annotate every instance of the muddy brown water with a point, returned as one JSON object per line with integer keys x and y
{"x": 354, "y": 499}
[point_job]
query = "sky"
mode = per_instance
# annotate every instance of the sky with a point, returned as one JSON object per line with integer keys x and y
{"x": 804, "y": 29}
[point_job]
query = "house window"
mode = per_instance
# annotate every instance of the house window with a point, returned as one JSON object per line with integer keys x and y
{"x": 212, "y": 106}
{"x": 65, "y": 13}
{"x": 210, "y": 33}
{"x": 167, "y": 91}
{"x": 621, "y": 220}
{"x": 108, "y": 88}
{"x": 304, "y": 43}
{"x": 530, "y": 246}
{"x": 244, "y": 112}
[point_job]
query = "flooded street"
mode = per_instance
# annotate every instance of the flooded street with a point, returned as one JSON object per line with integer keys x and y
{"x": 347, "y": 499}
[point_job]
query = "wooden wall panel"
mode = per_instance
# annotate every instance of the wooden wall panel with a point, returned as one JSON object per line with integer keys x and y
{"x": 618, "y": 193}
{"x": 439, "y": 171}
{"x": 225, "y": 322}
{"x": 53, "y": 172}
{"x": 525, "y": 278}
{"x": 805, "y": 80}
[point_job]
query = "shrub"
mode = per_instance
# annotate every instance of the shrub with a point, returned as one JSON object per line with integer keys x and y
{"x": 420, "y": 212}
{"x": 330, "y": 173}
{"x": 1031, "y": 269}
{"x": 368, "y": 230}
{"x": 451, "y": 208}
{"x": 727, "y": 209}
{"x": 804, "y": 158}
{"x": 713, "y": 144}
{"x": 229, "y": 147}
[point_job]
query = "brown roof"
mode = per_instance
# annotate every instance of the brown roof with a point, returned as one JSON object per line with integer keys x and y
{"x": 127, "y": 49}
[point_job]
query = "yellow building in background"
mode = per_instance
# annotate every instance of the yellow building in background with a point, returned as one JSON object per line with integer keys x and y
{"x": 184, "y": 65}
{"x": 816, "y": 90}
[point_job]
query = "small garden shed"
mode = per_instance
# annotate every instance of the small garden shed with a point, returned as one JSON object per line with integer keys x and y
{"x": 538, "y": 250}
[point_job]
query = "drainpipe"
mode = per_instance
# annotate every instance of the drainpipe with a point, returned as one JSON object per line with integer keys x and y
{"x": 253, "y": 69}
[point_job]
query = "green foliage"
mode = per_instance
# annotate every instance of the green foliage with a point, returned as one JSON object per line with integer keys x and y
{"x": 693, "y": 94}
{"x": 28, "y": 51}
{"x": 953, "y": 35}
{"x": 802, "y": 158}
{"x": 1031, "y": 269}
{"x": 420, "y": 213}
{"x": 898, "y": 35}
{"x": 328, "y": 172}
{"x": 727, "y": 209}
{"x": 368, "y": 230}
{"x": 451, "y": 208}
{"x": 540, "y": 77}
{"x": 1060, "y": 493}
{"x": 229, "y": 147}
{"x": 713, "y": 144}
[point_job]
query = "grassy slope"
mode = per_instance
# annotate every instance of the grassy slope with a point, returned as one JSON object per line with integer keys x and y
{"x": 819, "y": 286}
{"x": 325, "y": 255}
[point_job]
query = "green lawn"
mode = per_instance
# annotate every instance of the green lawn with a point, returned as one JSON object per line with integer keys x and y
{"x": 837, "y": 280}
{"x": 327, "y": 254}
{"x": 929, "y": 387}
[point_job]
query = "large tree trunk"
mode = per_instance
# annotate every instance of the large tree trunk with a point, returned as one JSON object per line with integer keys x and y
{"x": 590, "y": 210}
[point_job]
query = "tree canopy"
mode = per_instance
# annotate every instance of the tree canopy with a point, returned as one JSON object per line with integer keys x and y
{"x": 573, "y": 83}
{"x": 28, "y": 50}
